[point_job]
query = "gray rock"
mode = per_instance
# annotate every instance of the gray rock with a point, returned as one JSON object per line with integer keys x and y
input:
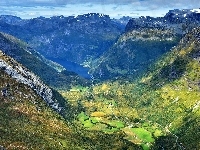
{"x": 26, "y": 77}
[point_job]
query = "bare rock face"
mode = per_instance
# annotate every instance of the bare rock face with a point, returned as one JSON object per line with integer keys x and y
{"x": 181, "y": 21}
{"x": 23, "y": 75}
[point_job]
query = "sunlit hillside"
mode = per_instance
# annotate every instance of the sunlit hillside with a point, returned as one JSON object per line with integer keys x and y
{"x": 160, "y": 110}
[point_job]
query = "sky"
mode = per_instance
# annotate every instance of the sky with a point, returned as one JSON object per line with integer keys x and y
{"x": 114, "y": 8}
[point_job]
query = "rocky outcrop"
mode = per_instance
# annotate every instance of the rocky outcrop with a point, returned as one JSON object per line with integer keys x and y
{"x": 181, "y": 21}
{"x": 23, "y": 75}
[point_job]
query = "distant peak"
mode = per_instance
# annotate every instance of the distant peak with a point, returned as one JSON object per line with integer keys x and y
{"x": 89, "y": 15}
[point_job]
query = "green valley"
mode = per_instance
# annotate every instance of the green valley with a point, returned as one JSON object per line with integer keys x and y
{"x": 158, "y": 110}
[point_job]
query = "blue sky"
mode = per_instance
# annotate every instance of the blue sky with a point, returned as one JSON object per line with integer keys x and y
{"x": 114, "y": 8}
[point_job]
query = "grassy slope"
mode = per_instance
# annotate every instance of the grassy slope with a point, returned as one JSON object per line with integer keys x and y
{"x": 176, "y": 79}
{"x": 20, "y": 51}
{"x": 164, "y": 101}
{"x": 26, "y": 122}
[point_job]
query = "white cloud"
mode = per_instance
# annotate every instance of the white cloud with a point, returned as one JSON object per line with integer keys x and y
{"x": 145, "y": 3}
{"x": 134, "y": 8}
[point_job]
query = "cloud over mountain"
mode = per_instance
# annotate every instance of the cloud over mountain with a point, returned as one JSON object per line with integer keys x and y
{"x": 133, "y": 8}
{"x": 145, "y": 3}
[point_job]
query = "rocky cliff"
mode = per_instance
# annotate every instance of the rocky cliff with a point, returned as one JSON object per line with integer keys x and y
{"x": 181, "y": 21}
{"x": 23, "y": 75}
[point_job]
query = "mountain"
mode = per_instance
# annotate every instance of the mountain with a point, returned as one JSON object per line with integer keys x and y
{"x": 13, "y": 20}
{"x": 82, "y": 40}
{"x": 176, "y": 77}
{"x": 181, "y": 21}
{"x": 133, "y": 52}
{"x": 74, "y": 39}
{"x": 122, "y": 22}
{"x": 158, "y": 110}
{"x": 144, "y": 41}
{"x": 34, "y": 116}
{"x": 50, "y": 72}
{"x": 22, "y": 75}
{"x": 26, "y": 119}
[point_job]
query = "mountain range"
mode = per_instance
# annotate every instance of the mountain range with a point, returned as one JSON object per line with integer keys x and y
{"x": 78, "y": 38}
{"x": 145, "y": 39}
{"x": 86, "y": 39}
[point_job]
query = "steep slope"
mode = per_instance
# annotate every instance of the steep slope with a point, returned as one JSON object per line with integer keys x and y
{"x": 144, "y": 40}
{"x": 133, "y": 52}
{"x": 176, "y": 77}
{"x": 160, "y": 110}
{"x": 27, "y": 122}
{"x": 74, "y": 39}
{"x": 26, "y": 118}
{"x": 50, "y": 72}
{"x": 22, "y": 75}
{"x": 181, "y": 21}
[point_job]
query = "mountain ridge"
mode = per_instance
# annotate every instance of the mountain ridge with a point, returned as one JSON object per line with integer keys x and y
{"x": 144, "y": 40}
{"x": 181, "y": 21}
{"x": 56, "y": 76}
{"x": 29, "y": 110}
{"x": 133, "y": 52}
{"x": 22, "y": 75}
{"x": 96, "y": 33}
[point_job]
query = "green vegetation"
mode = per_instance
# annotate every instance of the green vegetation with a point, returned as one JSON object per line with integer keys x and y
{"x": 26, "y": 122}
{"x": 131, "y": 55}
{"x": 117, "y": 124}
{"x": 45, "y": 69}
{"x": 99, "y": 123}
{"x": 158, "y": 110}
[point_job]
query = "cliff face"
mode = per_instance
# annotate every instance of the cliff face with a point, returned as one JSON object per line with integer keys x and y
{"x": 181, "y": 21}
{"x": 23, "y": 75}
